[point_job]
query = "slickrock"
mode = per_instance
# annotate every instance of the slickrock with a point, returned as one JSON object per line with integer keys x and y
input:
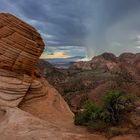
{"x": 20, "y": 125}
{"x": 51, "y": 99}
{"x": 20, "y": 48}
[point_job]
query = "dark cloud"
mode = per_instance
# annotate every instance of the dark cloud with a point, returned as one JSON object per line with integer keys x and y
{"x": 61, "y": 19}
{"x": 99, "y": 25}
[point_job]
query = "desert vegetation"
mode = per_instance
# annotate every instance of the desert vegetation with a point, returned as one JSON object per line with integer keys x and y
{"x": 111, "y": 112}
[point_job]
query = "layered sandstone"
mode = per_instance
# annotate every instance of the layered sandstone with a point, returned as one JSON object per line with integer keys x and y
{"x": 20, "y": 44}
{"x": 20, "y": 47}
{"x": 13, "y": 87}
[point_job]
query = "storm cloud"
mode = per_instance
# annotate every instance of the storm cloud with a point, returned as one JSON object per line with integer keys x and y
{"x": 82, "y": 27}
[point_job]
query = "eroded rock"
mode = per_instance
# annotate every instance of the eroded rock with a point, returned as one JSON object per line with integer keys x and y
{"x": 20, "y": 48}
{"x": 20, "y": 44}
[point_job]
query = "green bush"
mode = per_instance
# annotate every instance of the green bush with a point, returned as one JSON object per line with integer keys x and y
{"x": 83, "y": 117}
{"x": 91, "y": 112}
{"x": 115, "y": 104}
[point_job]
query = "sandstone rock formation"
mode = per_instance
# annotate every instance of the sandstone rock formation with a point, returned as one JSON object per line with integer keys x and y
{"x": 20, "y": 48}
{"x": 20, "y": 44}
{"x": 13, "y": 87}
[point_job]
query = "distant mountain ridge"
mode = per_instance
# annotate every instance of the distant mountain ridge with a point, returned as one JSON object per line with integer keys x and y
{"x": 128, "y": 61}
{"x": 91, "y": 80}
{"x": 64, "y": 62}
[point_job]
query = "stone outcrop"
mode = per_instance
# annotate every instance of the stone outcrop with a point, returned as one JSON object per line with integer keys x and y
{"x": 46, "y": 103}
{"x": 20, "y": 48}
{"x": 20, "y": 44}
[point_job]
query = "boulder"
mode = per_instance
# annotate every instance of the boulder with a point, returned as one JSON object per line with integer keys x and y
{"x": 20, "y": 48}
{"x": 20, "y": 44}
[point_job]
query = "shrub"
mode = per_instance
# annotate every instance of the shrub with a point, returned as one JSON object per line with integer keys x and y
{"x": 84, "y": 116}
{"x": 91, "y": 112}
{"x": 115, "y": 104}
{"x": 81, "y": 118}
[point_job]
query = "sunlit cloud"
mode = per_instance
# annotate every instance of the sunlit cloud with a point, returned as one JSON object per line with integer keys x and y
{"x": 54, "y": 55}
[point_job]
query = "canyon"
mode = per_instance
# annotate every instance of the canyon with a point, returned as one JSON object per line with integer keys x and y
{"x": 92, "y": 79}
{"x": 30, "y": 107}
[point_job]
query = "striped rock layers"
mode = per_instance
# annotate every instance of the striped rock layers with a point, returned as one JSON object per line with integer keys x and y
{"x": 20, "y": 44}
{"x": 20, "y": 48}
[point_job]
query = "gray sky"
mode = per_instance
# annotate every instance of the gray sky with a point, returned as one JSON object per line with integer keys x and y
{"x": 82, "y": 27}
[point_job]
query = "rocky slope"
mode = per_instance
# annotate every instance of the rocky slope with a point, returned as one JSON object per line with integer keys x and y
{"x": 92, "y": 79}
{"x": 76, "y": 87}
{"x": 111, "y": 72}
{"x": 128, "y": 62}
